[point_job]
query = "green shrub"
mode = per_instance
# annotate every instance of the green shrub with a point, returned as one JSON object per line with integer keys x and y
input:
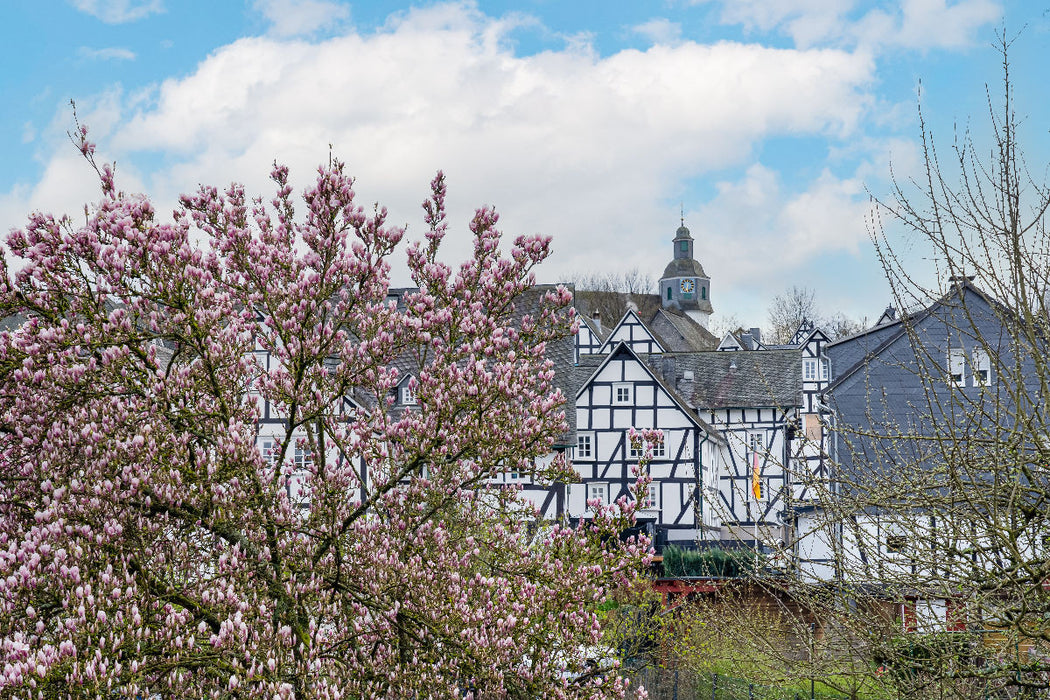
{"x": 714, "y": 562}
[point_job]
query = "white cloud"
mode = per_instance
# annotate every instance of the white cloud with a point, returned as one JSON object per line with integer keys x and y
{"x": 301, "y": 17}
{"x": 586, "y": 148}
{"x": 119, "y": 11}
{"x": 660, "y": 30}
{"x": 67, "y": 181}
{"x": 106, "y": 54}
{"x": 916, "y": 24}
{"x": 754, "y": 227}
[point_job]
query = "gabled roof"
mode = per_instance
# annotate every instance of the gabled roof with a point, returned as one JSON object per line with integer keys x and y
{"x": 816, "y": 333}
{"x": 678, "y": 332}
{"x": 729, "y": 342}
{"x": 613, "y": 304}
{"x": 892, "y": 331}
{"x": 599, "y": 333}
{"x": 592, "y": 365}
{"x": 632, "y": 317}
{"x": 741, "y": 339}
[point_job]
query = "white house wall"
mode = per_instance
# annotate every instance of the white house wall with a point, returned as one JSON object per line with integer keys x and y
{"x": 736, "y": 504}
{"x": 605, "y": 422}
{"x": 811, "y": 453}
{"x": 632, "y": 332}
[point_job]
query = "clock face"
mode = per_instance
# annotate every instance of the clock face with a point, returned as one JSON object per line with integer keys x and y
{"x": 687, "y": 286}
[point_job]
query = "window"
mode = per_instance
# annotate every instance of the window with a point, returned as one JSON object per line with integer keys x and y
{"x": 809, "y": 370}
{"x": 408, "y": 395}
{"x": 584, "y": 446}
{"x": 756, "y": 444}
{"x": 703, "y": 292}
{"x": 823, "y": 370}
{"x": 598, "y": 492}
{"x": 896, "y": 544}
{"x": 638, "y": 449}
{"x": 651, "y": 498}
{"x": 684, "y": 246}
{"x": 622, "y": 393}
{"x": 982, "y": 368}
{"x": 303, "y": 457}
{"x": 957, "y": 366}
{"x": 269, "y": 452}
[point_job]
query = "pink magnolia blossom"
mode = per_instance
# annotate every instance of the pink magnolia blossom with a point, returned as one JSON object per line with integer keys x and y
{"x": 149, "y": 544}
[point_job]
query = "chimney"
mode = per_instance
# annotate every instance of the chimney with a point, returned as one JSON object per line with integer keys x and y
{"x": 756, "y": 335}
{"x": 596, "y": 317}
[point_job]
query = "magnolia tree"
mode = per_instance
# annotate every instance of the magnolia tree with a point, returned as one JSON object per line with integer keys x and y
{"x": 149, "y": 546}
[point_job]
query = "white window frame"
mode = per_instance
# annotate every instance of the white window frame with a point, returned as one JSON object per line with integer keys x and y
{"x": 597, "y": 490}
{"x": 268, "y": 447}
{"x": 408, "y": 396}
{"x": 982, "y": 365}
{"x": 626, "y": 398}
{"x": 651, "y": 501}
{"x": 957, "y": 367}
{"x": 585, "y": 439}
{"x": 303, "y": 457}
{"x": 823, "y": 369}
{"x": 756, "y": 443}
{"x": 660, "y": 448}
{"x": 809, "y": 370}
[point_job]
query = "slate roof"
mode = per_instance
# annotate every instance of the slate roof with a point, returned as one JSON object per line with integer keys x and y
{"x": 600, "y": 333}
{"x": 613, "y": 305}
{"x": 589, "y": 365}
{"x": 740, "y": 379}
{"x": 680, "y": 333}
{"x": 849, "y": 354}
{"x": 672, "y": 328}
{"x": 684, "y": 267}
{"x": 561, "y": 352}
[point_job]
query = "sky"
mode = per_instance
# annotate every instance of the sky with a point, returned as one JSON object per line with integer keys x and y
{"x": 768, "y": 123}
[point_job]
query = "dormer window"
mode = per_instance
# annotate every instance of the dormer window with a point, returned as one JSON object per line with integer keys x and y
{"x": 408, "y": 395}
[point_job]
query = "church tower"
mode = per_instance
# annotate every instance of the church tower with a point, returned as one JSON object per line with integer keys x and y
{"x": 684, "y": 286}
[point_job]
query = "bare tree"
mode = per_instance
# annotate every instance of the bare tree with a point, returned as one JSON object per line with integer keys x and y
{"x": 610, "y": 294}
{"x": 922, "y": 561}
{"x": 939, "y": 509}
{"x": 839, "y": 325}
{"x": 790, "y": 309}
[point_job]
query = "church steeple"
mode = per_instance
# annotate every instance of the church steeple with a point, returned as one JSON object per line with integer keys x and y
{"x": 683, "y": 243}
{"x": 684, "y": 286}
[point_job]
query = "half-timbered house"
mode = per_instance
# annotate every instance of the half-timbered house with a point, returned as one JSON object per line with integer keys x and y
{"x": 621, "y": 392}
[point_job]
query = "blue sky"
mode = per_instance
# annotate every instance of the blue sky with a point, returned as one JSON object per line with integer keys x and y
{"x": 769, "y": 121}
